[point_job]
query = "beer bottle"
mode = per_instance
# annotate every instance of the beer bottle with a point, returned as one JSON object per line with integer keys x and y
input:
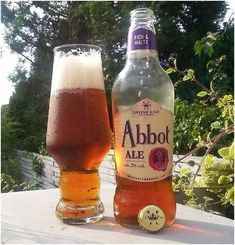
{"x": 143, "y": 106}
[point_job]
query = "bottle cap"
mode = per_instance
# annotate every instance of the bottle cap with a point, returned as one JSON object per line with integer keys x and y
{"x": 151, "y": 218}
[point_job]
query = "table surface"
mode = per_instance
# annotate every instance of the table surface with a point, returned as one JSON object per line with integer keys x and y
{"x": 29, "y": 217}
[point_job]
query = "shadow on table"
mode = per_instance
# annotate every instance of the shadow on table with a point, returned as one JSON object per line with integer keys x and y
{"x": 27, "y": 235}
{"x": 182, "y": 231}
{"x": 185, "y": 231}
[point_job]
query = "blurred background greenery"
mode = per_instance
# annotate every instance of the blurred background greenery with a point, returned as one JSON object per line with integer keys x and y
{"x": 34, "y": 28}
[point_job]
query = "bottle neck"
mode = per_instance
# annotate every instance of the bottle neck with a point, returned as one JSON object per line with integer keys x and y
{"x": 141, "y": 39}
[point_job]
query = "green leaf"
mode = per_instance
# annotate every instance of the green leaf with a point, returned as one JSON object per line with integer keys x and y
{"x": 224, "y": 152}
{"x": 198, "y": 46}
{"x": 200, "y": 141}
{"x": 226, "y": 125}
{"x": 189, "y": 75}
{"x": 202, "y": 94}
{"x": 191, "y": 163}
{"x": 231, "y": 151}
{"x": 211, "y": 64}
{"x": 224, "y": 180}
{"x": 222, "y": 57}
{"x": 208, "y": 199}
{"x": 210, "y": 51}
{"x": 208, "y": 160}
{"x": 175, "y": 65}
{"x": 227, "y": 98}
{"x": 211, "y": 36}
{"x": 229, "y": 195}
{"x": 185, "y": 78}
{"x": 190, "y": 72}
{"x": 185, "y": 170}
{"x": 208, "y": 138}
{"x": 170, "y": 70}
{"x": 215, "y": 125}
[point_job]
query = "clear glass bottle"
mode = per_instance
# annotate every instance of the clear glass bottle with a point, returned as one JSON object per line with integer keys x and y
{"x": 143, "y": 106}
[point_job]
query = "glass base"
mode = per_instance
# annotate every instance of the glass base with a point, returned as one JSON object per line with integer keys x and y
{"x": 78, "y": 215}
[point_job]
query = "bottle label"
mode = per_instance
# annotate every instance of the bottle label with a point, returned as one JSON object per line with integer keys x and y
{"x": 143, "y": 142}
{"x": 140, "y": 39}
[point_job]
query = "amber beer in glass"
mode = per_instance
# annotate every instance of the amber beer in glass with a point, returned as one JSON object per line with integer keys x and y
{"x": 78, "y": 133}
{"x": 143, "y": 107}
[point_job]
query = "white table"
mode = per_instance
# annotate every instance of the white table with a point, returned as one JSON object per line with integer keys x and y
{"x": 28, "y": 217}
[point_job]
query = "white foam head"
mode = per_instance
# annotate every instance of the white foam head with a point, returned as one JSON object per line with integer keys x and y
{"x": 77, "y": 69}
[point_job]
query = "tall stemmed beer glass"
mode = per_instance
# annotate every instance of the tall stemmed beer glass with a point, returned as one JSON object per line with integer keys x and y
{"x": 78, "y": 131}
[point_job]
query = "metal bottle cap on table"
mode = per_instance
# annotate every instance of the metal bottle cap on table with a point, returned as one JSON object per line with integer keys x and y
{"x": 151, "y": 218}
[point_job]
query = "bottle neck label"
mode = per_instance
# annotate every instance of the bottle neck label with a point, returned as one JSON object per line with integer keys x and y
{"x": 141, "y": 39}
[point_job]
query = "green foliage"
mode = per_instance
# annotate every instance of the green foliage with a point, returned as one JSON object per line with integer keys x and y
{"x": 170, "y": 70}
{"x": 224, "y": 152}
{"x": 8, "y": 184}
{"x": 206, "y": 44}
{"x": 214, "y": 185}
{"x": 11, "y": 167}
{"x": 37, "y": 165}
{"x": 212, "y": 111}
{"x": 10, "y": 172}
{"x": 42, "y": 150}
{"x": 182, "y": 183}
{"x": 55, "y": 23}
{"x": 202, "y": 94}
{"x": 224, "y": 180}
{"x": 216, "y": 178}
{"x": 37, "y": 162}
{"x": 8, "y": 136}
{"x": 192, "y": 123}
{"x": 229, "y": 196}
{"x": 213, "y": 64}
{"x": 29, "y": 106}
{"x": 189, "y": 75}
{"x": 215, "y": 125}
{"x": 9, "y": 129}
{"x": 220, "y": 176}
{"x": 33, "y": 37}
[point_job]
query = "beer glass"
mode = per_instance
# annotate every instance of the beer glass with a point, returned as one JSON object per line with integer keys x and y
{"x": 78, "y": 130}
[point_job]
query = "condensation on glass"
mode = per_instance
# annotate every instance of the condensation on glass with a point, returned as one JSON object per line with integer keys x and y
{"x": 78, "y": 132}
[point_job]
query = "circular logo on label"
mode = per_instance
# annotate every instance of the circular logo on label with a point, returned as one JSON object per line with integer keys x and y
{"x": 158, "y": 159}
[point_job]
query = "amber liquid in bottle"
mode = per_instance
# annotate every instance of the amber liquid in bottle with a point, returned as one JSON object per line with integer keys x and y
{"x": 142, "y": 80}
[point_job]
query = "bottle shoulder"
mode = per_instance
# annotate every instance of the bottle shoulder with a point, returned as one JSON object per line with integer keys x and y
{"x": 135, "y": 83}
{"x": 132, "y": 77}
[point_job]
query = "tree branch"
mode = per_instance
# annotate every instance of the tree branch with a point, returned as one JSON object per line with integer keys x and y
{"x": 193, "y": 79}
{"x": 217, "y": 138}
{"x": 33, "y": 63}
{"x": 224, "y": 132}
{"x": 213, "y": 187}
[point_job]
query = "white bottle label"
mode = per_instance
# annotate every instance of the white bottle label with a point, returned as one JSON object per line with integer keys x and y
{"x": 144, "y": 142}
